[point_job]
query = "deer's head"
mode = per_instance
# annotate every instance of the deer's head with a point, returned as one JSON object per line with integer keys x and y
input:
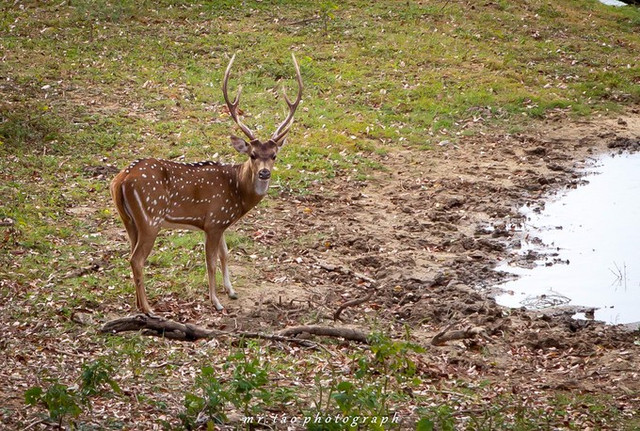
{"x": 262, "y": 155}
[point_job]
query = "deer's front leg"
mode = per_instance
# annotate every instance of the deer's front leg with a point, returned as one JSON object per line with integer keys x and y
{"x": 212, "y": 244}
{"x": 223, "y": 253}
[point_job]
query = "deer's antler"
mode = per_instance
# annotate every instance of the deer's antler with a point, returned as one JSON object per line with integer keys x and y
{"x": 233, "y": 107}
{"x": 284, "y": 127}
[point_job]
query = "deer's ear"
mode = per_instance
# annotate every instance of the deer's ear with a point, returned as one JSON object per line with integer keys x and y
{"x": 240, "y": 145}
{"x": 281, "y": 142}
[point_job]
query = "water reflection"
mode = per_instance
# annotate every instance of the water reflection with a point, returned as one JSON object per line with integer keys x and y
{"x": 595, "y": 230}
{"x": 616, "y": 3}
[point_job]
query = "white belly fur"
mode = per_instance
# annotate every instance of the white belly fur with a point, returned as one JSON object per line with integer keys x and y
{"x": 170, "y": 225}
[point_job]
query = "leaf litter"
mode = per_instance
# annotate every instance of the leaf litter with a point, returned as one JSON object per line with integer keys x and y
{"x": 419, "y": 232}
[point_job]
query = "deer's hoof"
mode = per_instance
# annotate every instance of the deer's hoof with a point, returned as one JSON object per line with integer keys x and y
{"x": 233, "y": 295}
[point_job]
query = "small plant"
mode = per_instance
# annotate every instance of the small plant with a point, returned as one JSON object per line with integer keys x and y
{"x": 394, "y": 357}
{"x": 250, "y": 376}
{"x": 327, "y": 13}
{"x": 440, "y": 418}
{"x": 445, "y": 419}
{"x": 134, "y": 349}
{"x": 392, "y": 365}
{"x": 208, "y": 403}
{"x": 94, "y": 377}
{"x": 381, "y": 375}
{"x": 246, "y": 390}
{"x": 424, "y": 424}
{"x": 62, "y": 401}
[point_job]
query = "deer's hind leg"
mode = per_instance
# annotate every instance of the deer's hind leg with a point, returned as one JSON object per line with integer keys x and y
{"x": 142, "y": 234}
{"x": 139, "y": 256}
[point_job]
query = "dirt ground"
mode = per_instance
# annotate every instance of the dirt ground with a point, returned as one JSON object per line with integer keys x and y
{"x": 426, "y": 234}
{"x": 423, "y": 236}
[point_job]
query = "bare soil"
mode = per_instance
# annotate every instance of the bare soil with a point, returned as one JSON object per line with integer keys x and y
{"x": 426, "y": 233}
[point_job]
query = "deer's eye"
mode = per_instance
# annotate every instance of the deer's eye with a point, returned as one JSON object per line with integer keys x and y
{"x": 253, "y": 156}
{"x": 273, "y": 157}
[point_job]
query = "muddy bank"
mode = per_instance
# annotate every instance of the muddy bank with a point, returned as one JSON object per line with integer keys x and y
{"x": 426, "y": 233}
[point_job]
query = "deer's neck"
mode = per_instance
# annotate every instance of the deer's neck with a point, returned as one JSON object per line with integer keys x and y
{"x": 246, "y": 186}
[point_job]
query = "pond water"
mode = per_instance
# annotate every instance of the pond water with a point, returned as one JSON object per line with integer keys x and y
{"x": 591, "y": 239}
{"x": 613, "y": 3}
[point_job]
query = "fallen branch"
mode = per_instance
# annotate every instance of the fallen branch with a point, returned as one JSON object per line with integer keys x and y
{"x": 444, "y": 336}
{"x": 347, "y": 271}
{"x": 327, "y": 331}
{"x": 351, "y": 303}
{"x": 272, "y": 337}
{"x": 161, "y": 327}
{"x": 158, "y": 326}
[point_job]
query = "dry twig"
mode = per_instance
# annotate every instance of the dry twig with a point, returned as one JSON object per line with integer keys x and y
{"x": 444, "y": 335}
{"x": 352, "y": 303}
{"x": 346, "y": 271}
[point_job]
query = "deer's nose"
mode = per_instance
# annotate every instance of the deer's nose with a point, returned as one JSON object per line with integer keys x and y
{"x": 264, "y": 174}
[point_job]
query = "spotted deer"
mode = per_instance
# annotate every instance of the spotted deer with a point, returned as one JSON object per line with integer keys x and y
{"x": 151, "y": 194}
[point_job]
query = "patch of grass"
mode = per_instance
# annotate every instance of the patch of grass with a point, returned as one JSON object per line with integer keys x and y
{"x": 98, "y": 83}
{"x": 409, "y": 87}
{"x": 36, "y": 129}
{"x": 238, "y": 240}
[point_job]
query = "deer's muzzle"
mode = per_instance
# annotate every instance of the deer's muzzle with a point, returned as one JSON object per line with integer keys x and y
{"x": 264, "y": 174}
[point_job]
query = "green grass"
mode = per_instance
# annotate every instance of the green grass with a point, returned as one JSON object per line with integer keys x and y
{"x": 88, "y": 83}
{"x": 157, "y": 85}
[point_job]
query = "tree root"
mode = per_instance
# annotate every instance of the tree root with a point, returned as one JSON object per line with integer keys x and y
{"x": 327, "y": 331}
{"x": 443, "y": 336}
{"x": 161, "y": 327}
